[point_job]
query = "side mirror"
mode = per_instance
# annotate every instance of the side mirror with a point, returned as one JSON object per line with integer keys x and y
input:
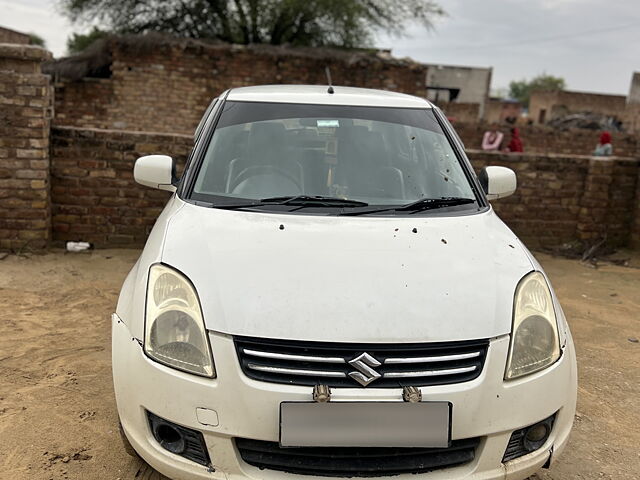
{"x": 155, "y": 171}
{"x": 497, "y": 182}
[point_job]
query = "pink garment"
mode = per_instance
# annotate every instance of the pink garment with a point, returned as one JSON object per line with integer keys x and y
{"x": 492, "y": 140}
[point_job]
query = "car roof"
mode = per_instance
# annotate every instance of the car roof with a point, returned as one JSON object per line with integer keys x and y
{"x": 318, "y": 94}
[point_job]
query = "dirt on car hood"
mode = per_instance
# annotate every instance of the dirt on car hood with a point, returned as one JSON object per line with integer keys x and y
{"x": 349, "y": 279}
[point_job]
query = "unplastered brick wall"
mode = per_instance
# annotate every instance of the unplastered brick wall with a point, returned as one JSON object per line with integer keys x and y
{"x": 94, "y": 196}
{"x": 568, "y": 198}
{"x": 461, "y": 112}
{"x": 560, "y": 198}
{"x": 25, "y": 109}
{"x": 541, "y": 139}
{"x": 166, "y": 86}
{"x": 85, "y": 103}
{"x": 635, "y": 227}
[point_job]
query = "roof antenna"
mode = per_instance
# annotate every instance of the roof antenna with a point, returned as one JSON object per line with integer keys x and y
{"x": 328, "y": 74}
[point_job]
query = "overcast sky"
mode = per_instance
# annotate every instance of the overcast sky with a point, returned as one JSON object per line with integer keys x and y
{"x": 593, "y": 44}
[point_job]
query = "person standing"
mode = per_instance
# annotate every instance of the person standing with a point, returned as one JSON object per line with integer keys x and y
{"x": 604, "y": 147}
{"x": 492, "y": 139}
{"x": 515, "y": 145}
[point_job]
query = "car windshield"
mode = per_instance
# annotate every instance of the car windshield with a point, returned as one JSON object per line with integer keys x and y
{"x": 364, "y": 156}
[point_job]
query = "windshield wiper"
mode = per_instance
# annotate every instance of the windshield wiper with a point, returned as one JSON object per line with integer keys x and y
{"x": 313, "y": 200}
{"x": 300, "y": 201}
{"x": 429, "y": 203}
{"x": 419, "y": 205}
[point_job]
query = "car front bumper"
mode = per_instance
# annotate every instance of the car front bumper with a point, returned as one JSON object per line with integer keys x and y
{"x": 486, "y": 407}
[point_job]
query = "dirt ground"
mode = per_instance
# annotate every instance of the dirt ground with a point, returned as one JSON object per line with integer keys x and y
{"x": 57, "y": 412}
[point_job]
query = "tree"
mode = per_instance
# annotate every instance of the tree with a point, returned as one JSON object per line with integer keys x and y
{"x": 35, "y": 39}
{"x": 79, "y": 41}
{"x": 343, "y": 23}
{"x": 521, "y": 90}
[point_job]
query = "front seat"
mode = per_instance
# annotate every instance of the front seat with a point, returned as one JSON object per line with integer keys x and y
{"x": 364, "y": 166}
{"x": 265, "y": 170}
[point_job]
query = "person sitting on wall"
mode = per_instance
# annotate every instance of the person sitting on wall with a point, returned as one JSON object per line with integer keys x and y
{"x": 604, "y": 148}
{"x": 515, "y": 144}
{"x": 492, "y": 139}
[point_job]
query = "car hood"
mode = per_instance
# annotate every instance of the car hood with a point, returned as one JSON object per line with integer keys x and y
{"x": 349, "y": 279}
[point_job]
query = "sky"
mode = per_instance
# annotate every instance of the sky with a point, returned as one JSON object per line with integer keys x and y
{"x": 593, "y": 44}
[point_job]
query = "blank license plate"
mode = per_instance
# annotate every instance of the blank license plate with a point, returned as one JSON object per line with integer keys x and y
{"x": 365, "y": 424}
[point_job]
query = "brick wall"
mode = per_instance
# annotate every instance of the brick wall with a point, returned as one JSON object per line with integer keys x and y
{"x": 631, "y": 118}
{"x": 167, "y": 88}
{"x": 544, "y": 209}
{"x": 85, "y": 102}
{"x": 560, "y": 198}
{"x": 568, "y": 198}
{"x": 11, "y": 36}
{"x": 94, "y": 197}
{"x": 497, "y": 111}
{"x": 635, "y": 212}
{"x": 461, "y": 112}
{"x": 25, "y": 108}
{"x": 541, "y": 139}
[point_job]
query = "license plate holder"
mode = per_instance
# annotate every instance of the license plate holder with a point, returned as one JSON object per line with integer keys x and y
{"x": 365, "y": 424}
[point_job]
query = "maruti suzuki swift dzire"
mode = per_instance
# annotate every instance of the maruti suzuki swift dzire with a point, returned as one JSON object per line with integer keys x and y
{"x": 328, "y": 293}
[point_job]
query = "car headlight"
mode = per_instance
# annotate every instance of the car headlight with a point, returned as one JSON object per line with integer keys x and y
{"x": 534, "y": 337}
{"x": 174, "y": 332}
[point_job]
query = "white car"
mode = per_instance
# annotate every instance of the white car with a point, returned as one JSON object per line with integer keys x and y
{"x": 328, "y": 292}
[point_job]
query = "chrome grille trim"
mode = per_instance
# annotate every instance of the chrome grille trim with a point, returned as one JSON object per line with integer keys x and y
{"x": 298, "y": 358}
{"x": 440, "y": 358}
{"x": 293, "y": 371}
{"x": 430, "y": 373}
{"x": 360, "y": 365}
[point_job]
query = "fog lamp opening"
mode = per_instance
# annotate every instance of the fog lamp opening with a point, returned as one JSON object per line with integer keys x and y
{"x": 169, "y": 437}
{"x": 529, "y": 439}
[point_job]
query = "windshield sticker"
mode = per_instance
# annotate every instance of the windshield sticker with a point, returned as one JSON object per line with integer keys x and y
{"x": 328, "y": 123}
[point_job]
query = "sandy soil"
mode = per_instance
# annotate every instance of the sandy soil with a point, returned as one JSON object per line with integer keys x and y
{"x": 57, "y": 413}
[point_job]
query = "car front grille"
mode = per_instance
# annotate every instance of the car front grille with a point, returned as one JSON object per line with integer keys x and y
{"x": 354, "y": 461}
{"x": 360, "y": 365}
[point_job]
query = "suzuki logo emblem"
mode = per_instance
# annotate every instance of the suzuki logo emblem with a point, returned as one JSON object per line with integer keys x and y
{"x": 365, "y": 374}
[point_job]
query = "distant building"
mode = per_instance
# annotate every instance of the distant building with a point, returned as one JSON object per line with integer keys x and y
{"x": 11, "y": 36}
{"x": 634, "y": 90}
{"x": 500, "y": 110}
{"x": 547, "y": 106}
{"x": 631, "y": 117}
{"x": 451, "y": 84}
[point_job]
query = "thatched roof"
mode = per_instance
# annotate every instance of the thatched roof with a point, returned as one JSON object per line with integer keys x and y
{"x": 98, "y": 56}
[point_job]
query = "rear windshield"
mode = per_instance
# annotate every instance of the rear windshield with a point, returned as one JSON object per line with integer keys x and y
{"x": 378, "y": 155}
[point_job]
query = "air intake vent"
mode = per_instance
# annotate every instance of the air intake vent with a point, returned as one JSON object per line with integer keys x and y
{"x": 354, "y": 365}
{"x": 355, "y": 462}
